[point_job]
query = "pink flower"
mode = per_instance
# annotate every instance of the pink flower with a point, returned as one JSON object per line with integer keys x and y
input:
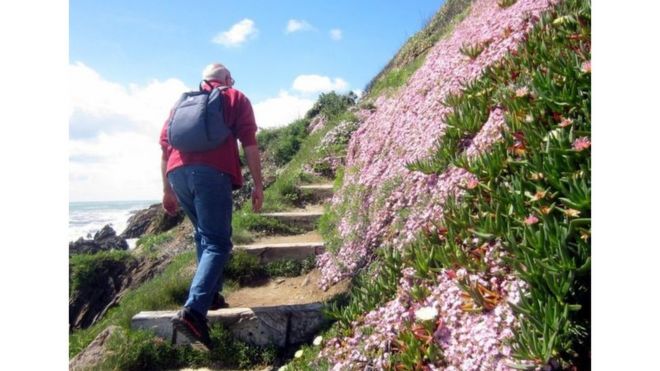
{"x": 565, "y": 122}
{"x": 522, "y": 92}
{"x": 582, "y": 143}
{"x": 586, "y": 66}
{"x": 531, "y": 220}
{"x": 472, "y": 183}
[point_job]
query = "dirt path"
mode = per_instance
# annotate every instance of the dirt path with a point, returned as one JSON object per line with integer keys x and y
{"x": 285, "y": 291}
{"x": 312, "y": 236}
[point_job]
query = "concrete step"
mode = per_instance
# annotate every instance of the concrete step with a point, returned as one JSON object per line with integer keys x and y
{"x": 279, "y": 325}
{"x": 301, "y": 218}
{"x": 297, "y": 247}
{"x": 277, "y": 251}
{"x": 317, "y": 193}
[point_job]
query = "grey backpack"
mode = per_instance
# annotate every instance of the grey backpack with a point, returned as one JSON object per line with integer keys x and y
{"x": 198, "y": 123}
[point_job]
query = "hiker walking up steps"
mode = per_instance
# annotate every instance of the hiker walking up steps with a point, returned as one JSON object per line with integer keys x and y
{"x": 200, "y": 168}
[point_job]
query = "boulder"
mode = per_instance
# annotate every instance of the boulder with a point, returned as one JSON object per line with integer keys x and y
{"x": 152, "y": 220}
{"x": 91, "y": 357}
{"x": 104, "y": 240}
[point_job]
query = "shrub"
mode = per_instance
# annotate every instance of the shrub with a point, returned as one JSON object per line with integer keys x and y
{"x": 331, "y": 104}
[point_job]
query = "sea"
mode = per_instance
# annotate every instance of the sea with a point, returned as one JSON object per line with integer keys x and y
{"x": 87, "y": 218}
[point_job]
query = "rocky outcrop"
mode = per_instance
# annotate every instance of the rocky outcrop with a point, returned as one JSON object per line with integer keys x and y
{"x": 93, "y": 355}
{"x": 151, "y": 221}
{"x": 104, "y": 240}
{"x": 114, "y": 277}
{"x": 90, "y": 302}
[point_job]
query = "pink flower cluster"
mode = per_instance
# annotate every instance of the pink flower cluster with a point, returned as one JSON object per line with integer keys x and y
{"x": 402, "y": 129}
{"x": 405, "y": 128}
{"x": 469, "y": 341}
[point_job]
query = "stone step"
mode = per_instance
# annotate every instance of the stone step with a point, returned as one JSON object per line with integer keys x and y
{"x": 300, "y": 218}
{"x": 277, "y": 251}
{"x": 297, "y": 247}
{"x": 317, "y": 193}
{"x": 278, "y": 325}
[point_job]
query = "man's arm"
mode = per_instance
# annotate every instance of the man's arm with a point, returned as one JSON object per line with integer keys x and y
{"x": 169, "y": 198}
{"x": 254, "y": 164}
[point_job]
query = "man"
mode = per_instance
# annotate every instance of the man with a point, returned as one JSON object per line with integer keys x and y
{"x": 202, "y": 182}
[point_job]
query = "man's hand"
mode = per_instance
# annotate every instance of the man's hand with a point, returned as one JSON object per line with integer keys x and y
{"x": 254, "y": 164}
{"x": 257, "y": 199}
{"x": 170, "y": 203}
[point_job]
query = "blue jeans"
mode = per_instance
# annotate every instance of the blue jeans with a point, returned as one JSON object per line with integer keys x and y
{"x": 205, "y": 195}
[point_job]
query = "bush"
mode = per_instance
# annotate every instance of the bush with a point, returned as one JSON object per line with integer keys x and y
{"x": 283, "y": 143}
{"x": 331, "y": 104}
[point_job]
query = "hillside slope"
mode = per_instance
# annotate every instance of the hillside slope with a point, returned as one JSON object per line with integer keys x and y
{"x": 498, "y": 115}
{"x": 405, "y": 128}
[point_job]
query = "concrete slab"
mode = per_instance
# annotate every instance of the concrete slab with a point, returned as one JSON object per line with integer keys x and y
{"x": 305, "y": 219}
{"x": 268, "y": 252}
{"x": 317, "y": 192}
{"x": 278, "y": 325}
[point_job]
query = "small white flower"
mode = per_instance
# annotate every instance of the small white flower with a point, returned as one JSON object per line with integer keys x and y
{"x": 298, "y": 353}
{"x": 529, "y": 119}
{"x": 426, "y": 314}
{"x": 283, "y": 368}
{"x": 318, "y": 340}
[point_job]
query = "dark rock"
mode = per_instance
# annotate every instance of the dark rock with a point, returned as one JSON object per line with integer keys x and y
{"x": 104, "y": 233}
{"x": 104, "y": 240}
{"x": 90, "y": 302}
{"x": 151, "y": 221}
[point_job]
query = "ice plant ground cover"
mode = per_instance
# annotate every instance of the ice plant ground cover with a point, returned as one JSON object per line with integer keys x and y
{"x": 405, "y": 127}
{"x": 507, "y": 263}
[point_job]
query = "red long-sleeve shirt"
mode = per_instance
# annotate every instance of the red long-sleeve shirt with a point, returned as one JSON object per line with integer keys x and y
{"x": 239, "y": 117}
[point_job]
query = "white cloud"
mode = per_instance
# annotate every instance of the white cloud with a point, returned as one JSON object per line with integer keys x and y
{"x": 295, "y": 25}
{"x": 114, "y": 129}
{"x": 281, "y": 110}
{"x": 97, "y": 100}
{"x": 318, "y": 84}
{"x": 336, "y": 34}
{"x": 237, "y": 34}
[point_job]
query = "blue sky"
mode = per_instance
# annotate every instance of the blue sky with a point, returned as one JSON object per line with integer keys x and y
{"x": 129, "y": 61}
{"x": 136, "y": 41}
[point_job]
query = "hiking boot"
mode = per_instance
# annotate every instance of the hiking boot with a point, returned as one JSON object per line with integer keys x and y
{"x": 218, "y": 302}
{"x": 193, "y": 325}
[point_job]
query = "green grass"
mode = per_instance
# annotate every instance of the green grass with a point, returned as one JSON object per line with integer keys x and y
{"x": 148, "y": 244}
{"x": 86, "y": 270}
{"x": 396, "y": 77}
